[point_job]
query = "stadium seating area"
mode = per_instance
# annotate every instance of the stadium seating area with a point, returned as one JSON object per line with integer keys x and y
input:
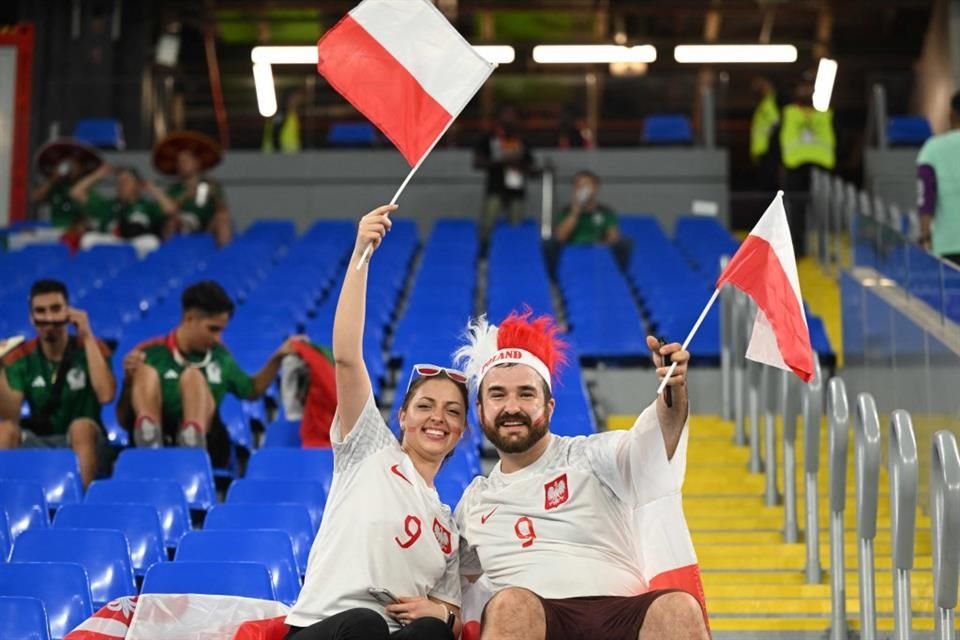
{"x": 159, "y": 524}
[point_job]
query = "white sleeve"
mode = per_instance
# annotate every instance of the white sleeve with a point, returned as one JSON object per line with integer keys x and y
{"x": 634, "y": 463}
{"x": 448, "y": 589}
{"x": 469, "y": 559}
{"x": 369, "y": 435}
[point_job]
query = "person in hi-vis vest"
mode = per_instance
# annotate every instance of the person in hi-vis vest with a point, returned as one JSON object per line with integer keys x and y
{"x": 764, "y": 124}
{"x": 807, "y": 140}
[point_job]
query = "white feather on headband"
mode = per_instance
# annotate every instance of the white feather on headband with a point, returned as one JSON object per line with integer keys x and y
{"x": 481, "y": 345}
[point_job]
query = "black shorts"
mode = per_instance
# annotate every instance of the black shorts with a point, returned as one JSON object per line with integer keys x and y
{"x": 596, "y": 617}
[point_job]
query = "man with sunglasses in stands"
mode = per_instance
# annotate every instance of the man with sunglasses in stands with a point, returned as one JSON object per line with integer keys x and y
{"x": 577, "y": 538}
{"x": 65, "y": 379}
{"x": 174, "y": 384}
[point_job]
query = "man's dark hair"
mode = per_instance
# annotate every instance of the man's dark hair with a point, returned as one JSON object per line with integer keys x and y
{"x": 955, "y": 104}
{"x": 586, "y": 173}
{"x": 133, "y": 171}
{"x": 48, "y": 285}
{"x": 207, "y": 297}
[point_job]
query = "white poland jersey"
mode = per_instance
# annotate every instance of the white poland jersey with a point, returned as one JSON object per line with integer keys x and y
{"x": 382, "y": 527}
{"x": 567, "y": 525}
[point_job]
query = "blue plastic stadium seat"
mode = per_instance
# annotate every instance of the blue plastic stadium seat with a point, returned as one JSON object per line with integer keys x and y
{"x": 272, "y": 548}
{"x": 292, "y": 519}
{"x": 311, "y": 495}
{"x": 23, "y": 618}
{"x": 24, "y": 504}
{"x": 283, "y": 433}
{"x": 4, "y": 536}
{"x": 352, "y": 134}
{"x": 103, "y": 553}
{"x": 55, "y": 469}
{"x": 140, "y": 524}
{"x": 668, "y": 128}
{"x": 61, "y": 586}
{"x": 292, "y": 464}
{"x": 908, "y": 130}
{"x": 189, "y": 467}
{"x": 450, "y": 485}
{"x": 104, "y": 133}
{"x": 165, "y": 496}
{"x": 244, "y": 579}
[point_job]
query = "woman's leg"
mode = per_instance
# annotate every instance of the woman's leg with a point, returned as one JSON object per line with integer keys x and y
{"x": 353, "y": 624}
{"x": 424, "y": 629}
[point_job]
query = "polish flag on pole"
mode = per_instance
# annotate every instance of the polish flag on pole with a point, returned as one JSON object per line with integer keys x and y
{"x": 403, "y": 66}
{"x": 765, "y": 268}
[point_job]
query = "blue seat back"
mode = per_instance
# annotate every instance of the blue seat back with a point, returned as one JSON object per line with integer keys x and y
{"x": 23, "y": 618}
{"x": 908, "y": 130}
{"x": 165, "y": 496}
{"x": 292, "y": 519}
{"x": 270, "y": 547}
{"x": 352, "y": 134}
{"x": 24, "y": 504}
{"x": 102, "y": 552}
{"x": 140, "y": 523}
{"x": 191, "y": 468}
{"x": 245, "y": 579}
{"x": 61, "y": 586}
{"x": 105, "y": 133}
{"x": 55, "y": 470}
{"x": 311, "y": 495}
{"x": 293, "y": 464}
{"x": 283, "y": 433}
{"x": 667, "y": 128}
{"x": 4, "y": 536}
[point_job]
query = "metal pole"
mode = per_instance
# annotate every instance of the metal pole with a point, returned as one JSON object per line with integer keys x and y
{"x": 945, "y": 522}
{"x": 737, "y": 329}
{"x": 880, "y": 113}
{"x": 708, "y": 117}
{"x": 771, "y": 494}
{"x": 903, "y": 476}
{"x": 790, "y": 529}
{"x": 812, "y": 413}
{"x": 867, "y": 471}
{"x": 839, "y": 420}
{"x": 753, "y": 404}
{"x": 726, "y": 344}
{"x": 547, "y": 181}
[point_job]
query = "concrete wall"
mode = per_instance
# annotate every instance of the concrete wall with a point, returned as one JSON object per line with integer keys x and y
{"x": 345, "y": 184}
{"x": 892, "y": 175}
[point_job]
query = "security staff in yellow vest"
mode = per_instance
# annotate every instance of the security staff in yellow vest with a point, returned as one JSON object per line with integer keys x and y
{"x": 807, "y": 140}
{"x": 764, "y": 145}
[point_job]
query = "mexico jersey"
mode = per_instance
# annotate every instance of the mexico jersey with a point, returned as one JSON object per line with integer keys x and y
{"x": 568, "y": 525}
{"x": 382, "y": 527}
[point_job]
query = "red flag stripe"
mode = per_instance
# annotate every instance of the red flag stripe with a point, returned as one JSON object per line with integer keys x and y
{"x": 756, "y": 270}
{"x": 382, "y": 89}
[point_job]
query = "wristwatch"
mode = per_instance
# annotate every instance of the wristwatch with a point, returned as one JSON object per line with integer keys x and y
{"x": 451, "y": 616}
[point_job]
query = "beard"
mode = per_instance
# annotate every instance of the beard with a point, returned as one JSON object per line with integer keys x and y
{"x": 536, "y": 430}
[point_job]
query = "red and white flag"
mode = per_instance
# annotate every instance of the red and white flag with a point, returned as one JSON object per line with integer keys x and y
{"x": 766, "y": 270}
{"x": 404, "y": 67}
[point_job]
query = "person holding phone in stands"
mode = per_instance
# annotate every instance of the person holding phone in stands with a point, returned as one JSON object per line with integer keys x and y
{"x": 65, "y": 379}
{"x": 384, "y": 529}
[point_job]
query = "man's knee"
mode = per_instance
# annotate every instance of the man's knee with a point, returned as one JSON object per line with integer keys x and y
{"x": 678, "y": 609}
{"x": 82, "y": 432}
{"x": 9, "y": 435}
{"x": 146, "y": 377}
{"x": 512, "y": 602}
{"x": 192, "y": 379}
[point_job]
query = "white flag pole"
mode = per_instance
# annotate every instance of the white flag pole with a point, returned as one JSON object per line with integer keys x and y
{"x": 693, "y": 332}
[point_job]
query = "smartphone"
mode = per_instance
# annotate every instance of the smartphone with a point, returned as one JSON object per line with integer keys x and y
{"x": 383, "y": 596}
{"x": 667, "y": 392}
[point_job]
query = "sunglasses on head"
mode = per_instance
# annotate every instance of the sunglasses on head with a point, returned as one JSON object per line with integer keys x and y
{"x": 430, "y": 370}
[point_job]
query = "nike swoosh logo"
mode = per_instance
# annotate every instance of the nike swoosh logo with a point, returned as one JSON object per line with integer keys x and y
{"x": 484, "y": 518}
{"x": 395, "y": 469}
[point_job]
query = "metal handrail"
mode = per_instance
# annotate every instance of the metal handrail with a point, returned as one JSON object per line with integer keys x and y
{"x": 738, "y": 313}
{"x": 812, "y": 414}
{"x": 726, "y": 346}
{"x": 903, "y": 475}
{"x": 838, "y": 415}
{"x": 771, "y": 495}
{"x": 945, "y": 522}
{"x": 867, "y": 471}
{"x": 789, "y": 413}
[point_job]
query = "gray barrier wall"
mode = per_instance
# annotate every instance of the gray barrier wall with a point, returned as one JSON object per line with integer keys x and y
{"x": 338, "y": 184}
{"x": 892, "y": 175}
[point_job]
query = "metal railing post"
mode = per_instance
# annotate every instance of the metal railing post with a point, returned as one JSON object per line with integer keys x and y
{"x": 791, "y": 533}
{"x": 839, "y": 424}
{"x": 726, "y": 346}
{"x": 867, "y": 470}
{"x": 812, "y": 414}
{"x": 737, "y": 329}
{"x": 547, "y": 183}
{"x": 903, "y": 472}
{"x": 945, "y": 522}
{"x": 753, "y": 405}
{"x": 767, "y": 395}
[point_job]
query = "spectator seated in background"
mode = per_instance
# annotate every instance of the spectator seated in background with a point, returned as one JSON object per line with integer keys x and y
{"x": 62, "y": 163}
{"x": 587, "y": 221}
{"x": 64, "y": 379}
{"x": 127, "y": 217}
{"x": 200, "y": 202}
{"x": 174, "y": 384}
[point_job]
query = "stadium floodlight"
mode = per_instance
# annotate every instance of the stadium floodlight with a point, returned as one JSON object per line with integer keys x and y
{"x": 593, "y": 53}
{"x": 284, "y": 55}
{"x": 734, "y": 53}
{"x": 496, "y": 53}
{"x": 266, "y": 92}
{"x": 823, "y": 86}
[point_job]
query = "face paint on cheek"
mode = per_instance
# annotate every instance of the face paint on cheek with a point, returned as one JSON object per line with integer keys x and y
{"x": 539, "y": 422}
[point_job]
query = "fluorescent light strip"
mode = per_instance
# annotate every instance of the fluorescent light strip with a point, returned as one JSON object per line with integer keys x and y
{"x": 500, "y": 54}
{"x": 496, "y": 53}
{"x": 266, "y": 93}
{"x": 593, "y": 53}
{"x": 734, "y": 53}
{"x": 823, "y": 86}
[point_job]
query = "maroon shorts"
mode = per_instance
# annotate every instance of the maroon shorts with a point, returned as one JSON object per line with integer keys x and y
{"x": 596, "y": 617}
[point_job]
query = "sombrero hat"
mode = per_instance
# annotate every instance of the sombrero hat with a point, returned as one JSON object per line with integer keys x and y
{"x": 203, "y": 146}
{"x": 50, "y": 155}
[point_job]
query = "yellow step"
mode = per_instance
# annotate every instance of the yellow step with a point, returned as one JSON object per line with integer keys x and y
{"x": 800, "y": 606}
{"x": 796, "y": 623}
{"x": 753, "y": 580}
{"x": 768, "y": 591}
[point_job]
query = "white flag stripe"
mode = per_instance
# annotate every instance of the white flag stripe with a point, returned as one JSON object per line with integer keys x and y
{"x": 105, "y": 626}
{"x": 773, "y": 228}
{"x": 763, "y": 346}
{"x": 421, "y": 39}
